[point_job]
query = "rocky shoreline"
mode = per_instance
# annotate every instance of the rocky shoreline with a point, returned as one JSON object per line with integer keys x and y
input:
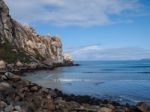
{"x": 18, "y": 95}
{"x": 21, "y": 68}
{"x": 24, "y": 50}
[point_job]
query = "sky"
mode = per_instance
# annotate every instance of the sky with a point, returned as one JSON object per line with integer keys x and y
{"x": 91, "y": 29}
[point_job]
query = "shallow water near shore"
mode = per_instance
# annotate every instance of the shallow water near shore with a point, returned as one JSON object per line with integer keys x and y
{"x": 123, "y": 81}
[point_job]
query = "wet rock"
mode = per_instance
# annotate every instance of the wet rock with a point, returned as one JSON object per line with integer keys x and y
{"x": 18, "y": 108}
{"x": 9, "y": 74}
{"x": 74, "y": 104}
{"x": 4, "y": 86}
{"x": 17, "y": 98}
{"x": 111, "y": 106}
{"x": 3, "y": 77}
{"x": 126, "y": 109}
{"x": 2, "y": 105}
{"x": 33, "y": 65}
{"x": 12, "y": 76}
{"x": 15, "y": 78}
{"x": 9, "y": 108}
{"x": 49, "y": 97}
{"x": 48, "y": 104}
{"x": 19, "y": 64}
{"x": 24, "y": 89}
{"x": 34, "y": 89}
{"x": 105, "y": 109}
{"x": 2, "y": 64}
{"x": 143, "y": 107}
{"x": 45, "y": 90}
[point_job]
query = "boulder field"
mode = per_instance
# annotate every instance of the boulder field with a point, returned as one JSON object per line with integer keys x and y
{"x": 18, "y": 95}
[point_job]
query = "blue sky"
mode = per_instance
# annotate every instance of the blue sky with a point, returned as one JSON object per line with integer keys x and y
{"x": 101, "y": 29}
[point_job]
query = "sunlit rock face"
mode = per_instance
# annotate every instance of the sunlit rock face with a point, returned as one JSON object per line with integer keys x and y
{"x": 2, "y": 64}
{"x": 5, "y": 23}
{"x": 68, "y": 59}
{"x": 45, "y": 49}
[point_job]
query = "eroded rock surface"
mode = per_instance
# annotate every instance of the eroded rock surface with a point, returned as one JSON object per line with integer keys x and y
{"x": 20, "y": 43}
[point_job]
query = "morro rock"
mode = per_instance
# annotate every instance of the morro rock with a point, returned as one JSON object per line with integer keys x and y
{"x": 20, "y": 43}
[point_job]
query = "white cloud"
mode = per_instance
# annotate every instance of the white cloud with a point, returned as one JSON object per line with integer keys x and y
{"x": 97, "y": 52}
{"x": 71, "y": 12}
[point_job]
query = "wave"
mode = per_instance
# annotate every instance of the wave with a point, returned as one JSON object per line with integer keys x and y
{"x": 144, "y": 72}
{"x": 139, "y": 66}
{"x": 73, "y": 80}
{"x": 97, "y": 82}
{"x": 117, "y": 72}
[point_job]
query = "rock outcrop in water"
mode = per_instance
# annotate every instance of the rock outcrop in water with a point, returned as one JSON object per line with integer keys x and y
{"x": 20, "y": 43}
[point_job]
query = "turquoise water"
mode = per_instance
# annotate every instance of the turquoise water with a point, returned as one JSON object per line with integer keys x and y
{"x": 124, "y": 81}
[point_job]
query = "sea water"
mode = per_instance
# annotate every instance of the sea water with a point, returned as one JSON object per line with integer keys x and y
{"x": 124, "y": 81}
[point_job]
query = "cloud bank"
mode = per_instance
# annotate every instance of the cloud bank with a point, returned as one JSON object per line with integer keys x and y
{"x": 72, "y": 12}
{"x": 97, "y": 52}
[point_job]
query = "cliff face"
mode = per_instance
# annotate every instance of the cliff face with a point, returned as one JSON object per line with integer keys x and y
{"x": 24, "y": 44}
{"x": 44, "y": 48}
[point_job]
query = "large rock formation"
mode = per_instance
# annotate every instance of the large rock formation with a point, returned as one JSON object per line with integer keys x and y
{"x": 21, "y": 43}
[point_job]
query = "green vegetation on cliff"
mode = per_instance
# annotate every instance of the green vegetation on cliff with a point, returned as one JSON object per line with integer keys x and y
{"x": 9, "y": 54}
{"x": 38, "y": 56}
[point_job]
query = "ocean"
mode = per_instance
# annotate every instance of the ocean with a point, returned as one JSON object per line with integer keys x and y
{"x": 122, "y": 81}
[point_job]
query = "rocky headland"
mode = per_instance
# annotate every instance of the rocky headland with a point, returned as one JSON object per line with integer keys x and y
{"x": 22, "y": 49}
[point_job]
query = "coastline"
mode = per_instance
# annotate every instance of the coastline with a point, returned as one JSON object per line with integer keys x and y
{"x": 22, "y": 50}
{"x": 24, "y": 96}
{"x": 20, "y": 70}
